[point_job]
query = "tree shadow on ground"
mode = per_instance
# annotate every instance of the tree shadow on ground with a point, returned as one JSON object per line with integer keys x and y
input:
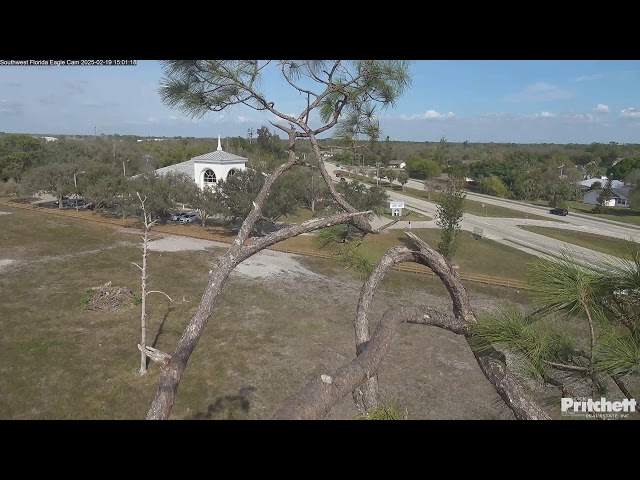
{"x": 227, "y": 407}
{"x": 162, "y": 331}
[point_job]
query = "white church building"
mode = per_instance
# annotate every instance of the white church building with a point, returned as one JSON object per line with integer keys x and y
{"x": 209, "y": 168}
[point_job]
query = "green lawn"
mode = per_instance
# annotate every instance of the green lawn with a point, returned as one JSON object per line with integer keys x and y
{"x": 619, "y": 214}
{"x": 482, "y": 257}
{"x": 599, "y": 243}
{"x": 471, "y": 206}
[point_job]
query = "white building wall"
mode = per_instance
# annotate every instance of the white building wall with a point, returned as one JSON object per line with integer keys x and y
{"x": 591, "y": 198}
{"x": 221, "y": 171}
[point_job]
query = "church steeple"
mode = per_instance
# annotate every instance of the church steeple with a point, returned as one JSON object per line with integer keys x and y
{"x": 219, "y": 146}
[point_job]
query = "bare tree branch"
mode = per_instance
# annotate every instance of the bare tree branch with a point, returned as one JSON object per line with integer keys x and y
{"x": 158, "y": 291}
{"x": 157, "y": 356}
{"x": 448, "y": 275}
{"x": 568, "y": 368}
{"x": 317, "y": 398}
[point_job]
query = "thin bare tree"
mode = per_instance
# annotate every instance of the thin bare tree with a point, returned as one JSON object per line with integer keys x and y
{"x": 145, "y": 350}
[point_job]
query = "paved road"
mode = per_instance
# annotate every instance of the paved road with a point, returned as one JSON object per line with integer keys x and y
{"x": 506, "y": 231}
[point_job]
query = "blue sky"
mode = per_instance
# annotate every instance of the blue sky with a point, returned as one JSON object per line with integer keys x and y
{"x": 515, "y": 101}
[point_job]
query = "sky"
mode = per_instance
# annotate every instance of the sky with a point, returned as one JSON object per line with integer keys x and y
{"x": 501, "y": 101}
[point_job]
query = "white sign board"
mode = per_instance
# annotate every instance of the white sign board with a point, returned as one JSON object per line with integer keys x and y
{"x": 396, "y": 208}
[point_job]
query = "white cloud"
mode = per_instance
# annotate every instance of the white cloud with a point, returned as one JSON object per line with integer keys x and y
{"x": 581, "y": 116}
{"x": 539, "y": 92}
{"x": 601, "y": 108}
{"x": 630, "y": 112}
{"x": 545, "y": 114}
{"x": 152, "y": 120}
{"x": 586, "y": 78}
{"x": 428, "y": 115}
{"x": 172, "y": 117}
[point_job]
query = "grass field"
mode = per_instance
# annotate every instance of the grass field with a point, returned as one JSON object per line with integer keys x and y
{"x": 619, "y": 214}
{"x": 599, "y": 243}
{"x": 264, "y": 341}
{"x": 483, "y": 256}
{"x": 471, "y": 206}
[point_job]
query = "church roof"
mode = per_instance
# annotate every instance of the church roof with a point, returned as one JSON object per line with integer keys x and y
{"x": 185, "y": 168}
{"x": 217, "y": 157}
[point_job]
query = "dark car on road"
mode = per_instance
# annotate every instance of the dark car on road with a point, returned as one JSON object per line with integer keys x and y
{"x": 559, "y": 211}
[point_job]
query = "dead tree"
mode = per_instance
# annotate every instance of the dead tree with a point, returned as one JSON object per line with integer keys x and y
{"x": 142, "y": 346}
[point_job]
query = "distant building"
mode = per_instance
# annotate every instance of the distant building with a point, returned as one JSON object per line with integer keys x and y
{"x": 208, "y": 169}
{"x": 586, "y": 184}
{"x": 397, "y": 164}
{"x": 50, "y": 139}
{"x": 620, "y": 197}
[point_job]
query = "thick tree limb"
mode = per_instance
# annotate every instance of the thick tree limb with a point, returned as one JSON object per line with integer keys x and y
{"x": 491, "y": 361}
{"x": 298, "y": 229}
{"x": 448, "y": 275}
{"x": 317, "y": 398}
{"x": 366, "y": 396}
{"x": 157, "y": 356}
{"x": 623, "y": 388}
{"x": 171, "y": 375}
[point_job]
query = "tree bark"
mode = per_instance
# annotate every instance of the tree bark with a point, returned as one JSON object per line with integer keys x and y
{"x": 60, "y": 202}
{"x": 491, "y": 362}
{"x": 171, "y": 375}
{"x": 143, "y": 315}
{"x": 317, "y": 397}
{"x": 366, "y": 396}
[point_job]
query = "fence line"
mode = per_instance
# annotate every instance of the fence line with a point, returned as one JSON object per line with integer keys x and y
{"x": 406, "y": 267}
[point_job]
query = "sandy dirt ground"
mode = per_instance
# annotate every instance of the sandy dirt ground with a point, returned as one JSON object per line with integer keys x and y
{"x": 299, "y": 325}
{"x": 426, "y": 366}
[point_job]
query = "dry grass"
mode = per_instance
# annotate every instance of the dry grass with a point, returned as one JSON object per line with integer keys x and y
{"x": 265, "y": 340}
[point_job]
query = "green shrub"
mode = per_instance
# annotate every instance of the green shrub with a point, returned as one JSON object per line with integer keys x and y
{"x": 86, "y": 297}
{"x": 137, "y": 300}
{"x": 386, "y": 411}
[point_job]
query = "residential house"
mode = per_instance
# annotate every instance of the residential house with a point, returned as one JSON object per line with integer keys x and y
{"x": 620, "y": 197}
{"x": 587, "y": 184}
{"x": 397, "y": 164}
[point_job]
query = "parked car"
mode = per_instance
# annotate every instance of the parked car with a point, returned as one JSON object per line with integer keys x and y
{"x": 177, "y": 216}
{"x": 189, "y": 218}
{"x": 559, "y": 211}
